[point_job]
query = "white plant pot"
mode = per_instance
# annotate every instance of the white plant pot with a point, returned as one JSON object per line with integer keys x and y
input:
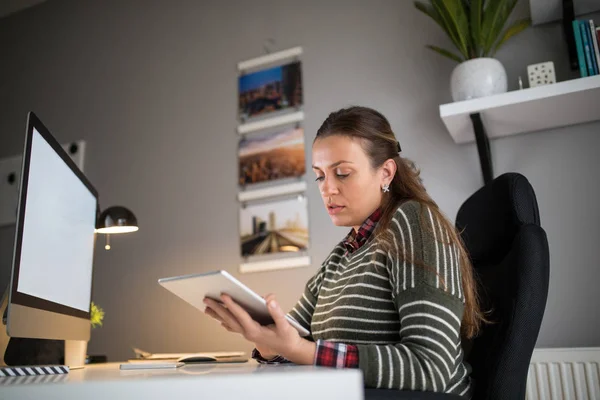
{"x": 75, "y": 353}
{"x": 477, "y": 78}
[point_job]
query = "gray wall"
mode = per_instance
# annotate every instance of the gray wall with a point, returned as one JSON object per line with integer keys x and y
{"x": 151, "y": 87}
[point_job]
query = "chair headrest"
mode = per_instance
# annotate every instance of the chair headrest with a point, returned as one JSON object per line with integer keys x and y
{"x": 491, "y": 217}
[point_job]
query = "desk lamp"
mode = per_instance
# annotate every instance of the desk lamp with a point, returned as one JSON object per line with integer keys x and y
{"x": 115, "y": 220}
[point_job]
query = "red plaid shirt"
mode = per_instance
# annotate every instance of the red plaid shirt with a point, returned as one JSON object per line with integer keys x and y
{"x": 341, "y": 355}
{"x": 334, "y": 354}
{"x": 355, "y": 240}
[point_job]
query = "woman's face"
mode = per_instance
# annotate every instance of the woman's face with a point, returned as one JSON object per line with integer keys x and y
{"x": 349, "y": 186}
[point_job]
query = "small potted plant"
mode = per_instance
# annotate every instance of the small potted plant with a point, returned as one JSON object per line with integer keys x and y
{"x": 96, "y": 315}
{"x": 477, "y": 30}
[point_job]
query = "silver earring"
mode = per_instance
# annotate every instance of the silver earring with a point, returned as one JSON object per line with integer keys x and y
{"x": 385, "y": 188}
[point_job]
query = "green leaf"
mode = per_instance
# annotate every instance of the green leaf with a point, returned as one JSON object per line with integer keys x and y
{"x": 428, "y": 10}
{"x": 467, "y": 6}
{"x": 455, "y": 18}
{"x": 495, "y": 16}
{"x": 476, "y": 10}
{"x": 513, "y": 30}
{"x": 432, "y": 12}
{"x": 457, "y": 13}
{"x": 446, "y": 53}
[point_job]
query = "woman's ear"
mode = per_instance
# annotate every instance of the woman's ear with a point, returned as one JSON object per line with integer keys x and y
{"x": 388, "y": 171}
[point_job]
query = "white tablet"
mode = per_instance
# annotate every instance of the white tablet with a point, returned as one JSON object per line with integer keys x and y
{"x": 194, "y": 288}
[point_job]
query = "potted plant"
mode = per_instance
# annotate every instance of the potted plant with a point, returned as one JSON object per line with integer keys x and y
{"x": 96, "y": 315}
{"x": 477, "y": 30}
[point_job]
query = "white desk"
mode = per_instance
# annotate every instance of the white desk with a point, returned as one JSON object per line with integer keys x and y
{"x": 215, "y": 381}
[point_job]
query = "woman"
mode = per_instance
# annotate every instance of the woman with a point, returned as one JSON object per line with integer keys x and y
{"x": 395, "y": 295}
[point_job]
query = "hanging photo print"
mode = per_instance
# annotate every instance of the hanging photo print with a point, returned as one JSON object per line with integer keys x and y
{"x": 274, "y": 227}
{"x": 271, "y": 156}
{"x": 269, "y": 90}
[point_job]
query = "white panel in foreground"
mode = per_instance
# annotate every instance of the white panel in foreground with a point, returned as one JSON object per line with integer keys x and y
{"x": 246, "y": 381}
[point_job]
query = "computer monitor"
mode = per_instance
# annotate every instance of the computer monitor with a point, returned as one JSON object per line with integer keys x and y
{"x": 51, "y": 280}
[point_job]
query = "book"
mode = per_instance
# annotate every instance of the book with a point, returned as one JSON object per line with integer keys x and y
{"x": 591, "y": 30}
{"x": 199, "y": 358}
{"x": 585, "y": 36}
{"x": 579, "y": 46}
{"x": 215, "y": 356}
{"x": 594, "y": 32}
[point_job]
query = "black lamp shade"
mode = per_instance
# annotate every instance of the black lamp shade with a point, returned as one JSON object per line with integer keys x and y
{"x": 116, "y": 219}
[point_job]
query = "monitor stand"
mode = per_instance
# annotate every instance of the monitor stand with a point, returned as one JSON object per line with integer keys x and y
{"x": 4, "y": 339}
{"x": 23, "y": 351}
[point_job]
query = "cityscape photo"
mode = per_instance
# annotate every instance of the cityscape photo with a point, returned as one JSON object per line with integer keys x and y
{"x": 270, "y": 90}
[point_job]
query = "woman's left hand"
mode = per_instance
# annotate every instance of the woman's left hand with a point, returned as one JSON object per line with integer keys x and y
{"x": 281, "y": 337}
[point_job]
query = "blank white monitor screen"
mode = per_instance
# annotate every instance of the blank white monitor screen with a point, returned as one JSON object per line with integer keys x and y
{"x": 57, "y": 247}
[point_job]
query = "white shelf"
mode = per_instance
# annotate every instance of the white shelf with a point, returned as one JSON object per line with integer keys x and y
{"x": 528, "y": 110}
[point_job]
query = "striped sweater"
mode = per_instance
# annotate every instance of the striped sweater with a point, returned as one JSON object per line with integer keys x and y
{"x": 403, "y": 316}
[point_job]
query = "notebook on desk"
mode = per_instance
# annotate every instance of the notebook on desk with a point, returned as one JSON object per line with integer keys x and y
{"x": 189, "y": 358}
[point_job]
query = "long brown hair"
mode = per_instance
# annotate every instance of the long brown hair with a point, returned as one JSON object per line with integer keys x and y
{"x": 380, "y": 144}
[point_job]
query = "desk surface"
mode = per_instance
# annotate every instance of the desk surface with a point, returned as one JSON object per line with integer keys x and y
{"x": 206, "y": 381}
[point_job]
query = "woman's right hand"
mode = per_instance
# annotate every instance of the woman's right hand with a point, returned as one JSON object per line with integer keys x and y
{"x": 265, "y": 352}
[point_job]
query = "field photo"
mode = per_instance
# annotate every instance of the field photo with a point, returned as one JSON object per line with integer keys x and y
{"x": 271, "y": 156}
{"x": 276, "y": 227}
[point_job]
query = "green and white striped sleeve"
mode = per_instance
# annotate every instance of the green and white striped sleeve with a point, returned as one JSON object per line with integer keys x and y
{"x": 428, "y": 296}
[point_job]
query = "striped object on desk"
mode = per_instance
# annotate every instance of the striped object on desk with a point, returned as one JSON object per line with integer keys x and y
{"x": 33, "y": 370}
{"x": 33, "y": 379}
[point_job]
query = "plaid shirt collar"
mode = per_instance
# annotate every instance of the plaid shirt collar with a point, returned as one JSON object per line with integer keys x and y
{"x": 354, "y": 240}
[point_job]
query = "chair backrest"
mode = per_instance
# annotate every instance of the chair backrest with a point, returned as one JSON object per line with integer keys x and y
{"x": 500, "y": 226}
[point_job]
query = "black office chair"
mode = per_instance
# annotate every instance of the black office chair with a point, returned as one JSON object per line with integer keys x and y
{"x": 500, "y": 226}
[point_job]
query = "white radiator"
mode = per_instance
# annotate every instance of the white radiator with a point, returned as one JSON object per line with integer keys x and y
{"x": 564, "y": 374}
